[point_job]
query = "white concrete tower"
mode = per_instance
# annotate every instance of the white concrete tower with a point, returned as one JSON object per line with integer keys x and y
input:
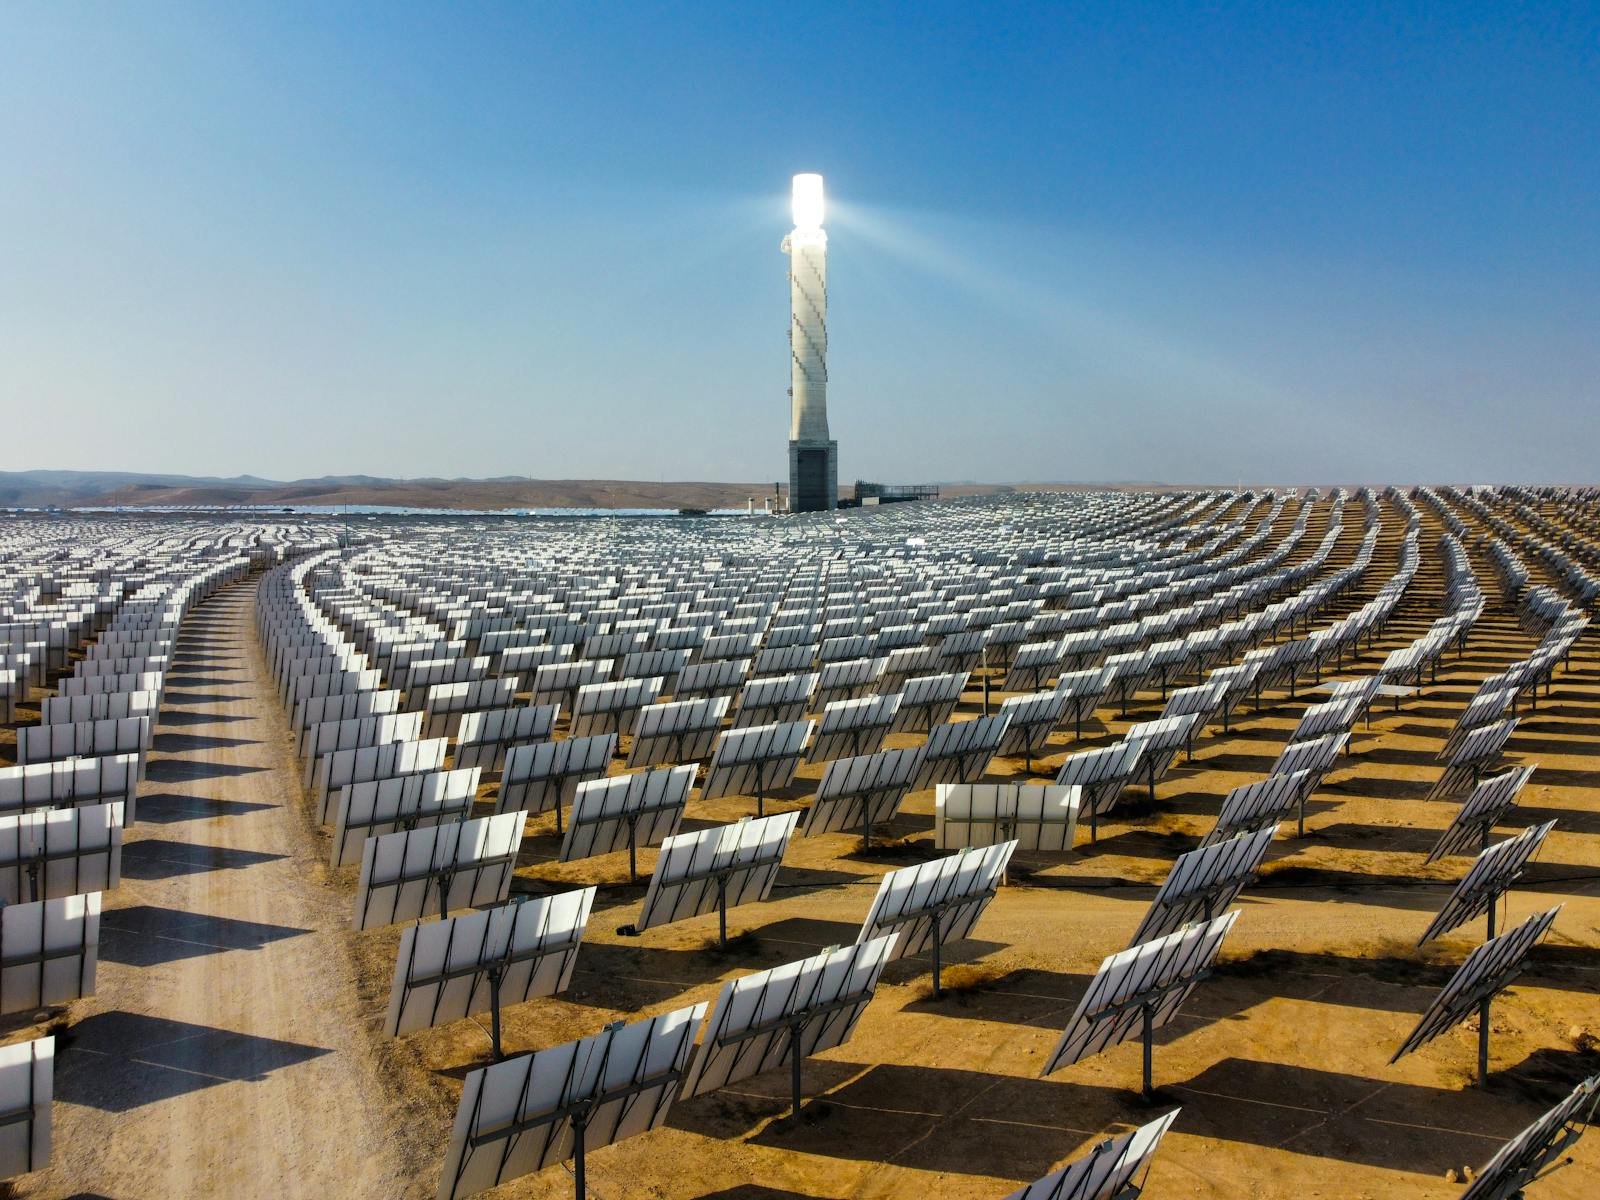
{"x": 813, "y": 457}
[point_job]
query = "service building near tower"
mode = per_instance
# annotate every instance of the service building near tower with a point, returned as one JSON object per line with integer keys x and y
{"x": 813, "y": 456}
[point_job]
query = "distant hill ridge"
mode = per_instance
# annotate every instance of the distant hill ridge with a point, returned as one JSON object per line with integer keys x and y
{"x": 83, "y": 489}
{"x": 35, "y": 489}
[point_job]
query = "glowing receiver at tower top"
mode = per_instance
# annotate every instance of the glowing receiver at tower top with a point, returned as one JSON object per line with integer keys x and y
{"x": 813, "y": 457}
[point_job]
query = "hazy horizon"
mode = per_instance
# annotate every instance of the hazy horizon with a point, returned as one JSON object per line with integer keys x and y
{"x": 1154, "y": 244}
{"x": 844, "y": 485}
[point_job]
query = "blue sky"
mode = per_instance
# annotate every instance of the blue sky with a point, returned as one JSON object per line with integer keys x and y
{"x": 1133, "y": 242}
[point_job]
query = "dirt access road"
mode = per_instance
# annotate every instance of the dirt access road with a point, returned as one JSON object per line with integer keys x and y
{"x": 221, "y": 1055}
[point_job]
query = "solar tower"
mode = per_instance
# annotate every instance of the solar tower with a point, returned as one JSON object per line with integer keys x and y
{"x": 813, "y": 457}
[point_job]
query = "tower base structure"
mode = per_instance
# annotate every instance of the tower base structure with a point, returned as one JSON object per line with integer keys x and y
{"x": 813, "y": 476}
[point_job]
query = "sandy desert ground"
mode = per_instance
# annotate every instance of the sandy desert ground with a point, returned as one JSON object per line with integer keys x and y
{"x": 233, "y": 1047}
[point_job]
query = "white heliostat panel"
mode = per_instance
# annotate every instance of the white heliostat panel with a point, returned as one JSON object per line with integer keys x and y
{"x": 1037, "y": 816}
{"x": 72, "y": 781}
{"x": 1489, "y": 968}
{"x": 1102, "y": 773}
{"x": 1477, "y": 753}
{"x": 1114, "y": 1165}
{"x": 717, "y": 868}
{"x": 325, "y": 737}
{"x": 854, "y": 728}
{"x": 1525, "y": 1156}
{"x": 1031, "y": 666}
{"x": 774, "y": 699}
{"x": 1161, "y": 739}
{"x": 1468, "y": 832}
{"x": 59, "y": 710}
{"x": 763, "y": 1020}
{"x": 380, "y": 806}
{"x": 48, "y": 952}
{"x": 558, "y": 682}
{"x": 445, "y": 969}
{"x": 27, "y": 1085}
{"x": 723, "y": 677}
{"x": 862, "y": 792}
{"x": 483, "y": 737}
{"x": 67, "y": 852}
{"x": 1484, "y": 709}
{"x": 1030, "y": 720}
{"x": 1258, "y": 805}
{"x": 1316, "y": 757}
{"x": 626, "y": 811}
{"x": 935, "y": 903}
{"x": 756, "y": 759}
{"x": 677, "y": 731}
{"x": 388, "y": 761}
{"x": 1310, "y": 762}
{"x": 928, "y": 700}
{"x": 1203, "y": 699}
{"x": 1202, "y": 883}
{"x": 83, "y": 739}
{"x": 1492, "y": 873}
{"x": 1157, "y": 976}
{"x": 546, "y": 775}
{"x": 1084, "y": 690}
{"x": 518, "y": 1116}
{"x": 1336, "y": 716}
{"x": 959, "y": 752}
{"x": 411, "y": 874}
{"x": 609, "y": 707}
